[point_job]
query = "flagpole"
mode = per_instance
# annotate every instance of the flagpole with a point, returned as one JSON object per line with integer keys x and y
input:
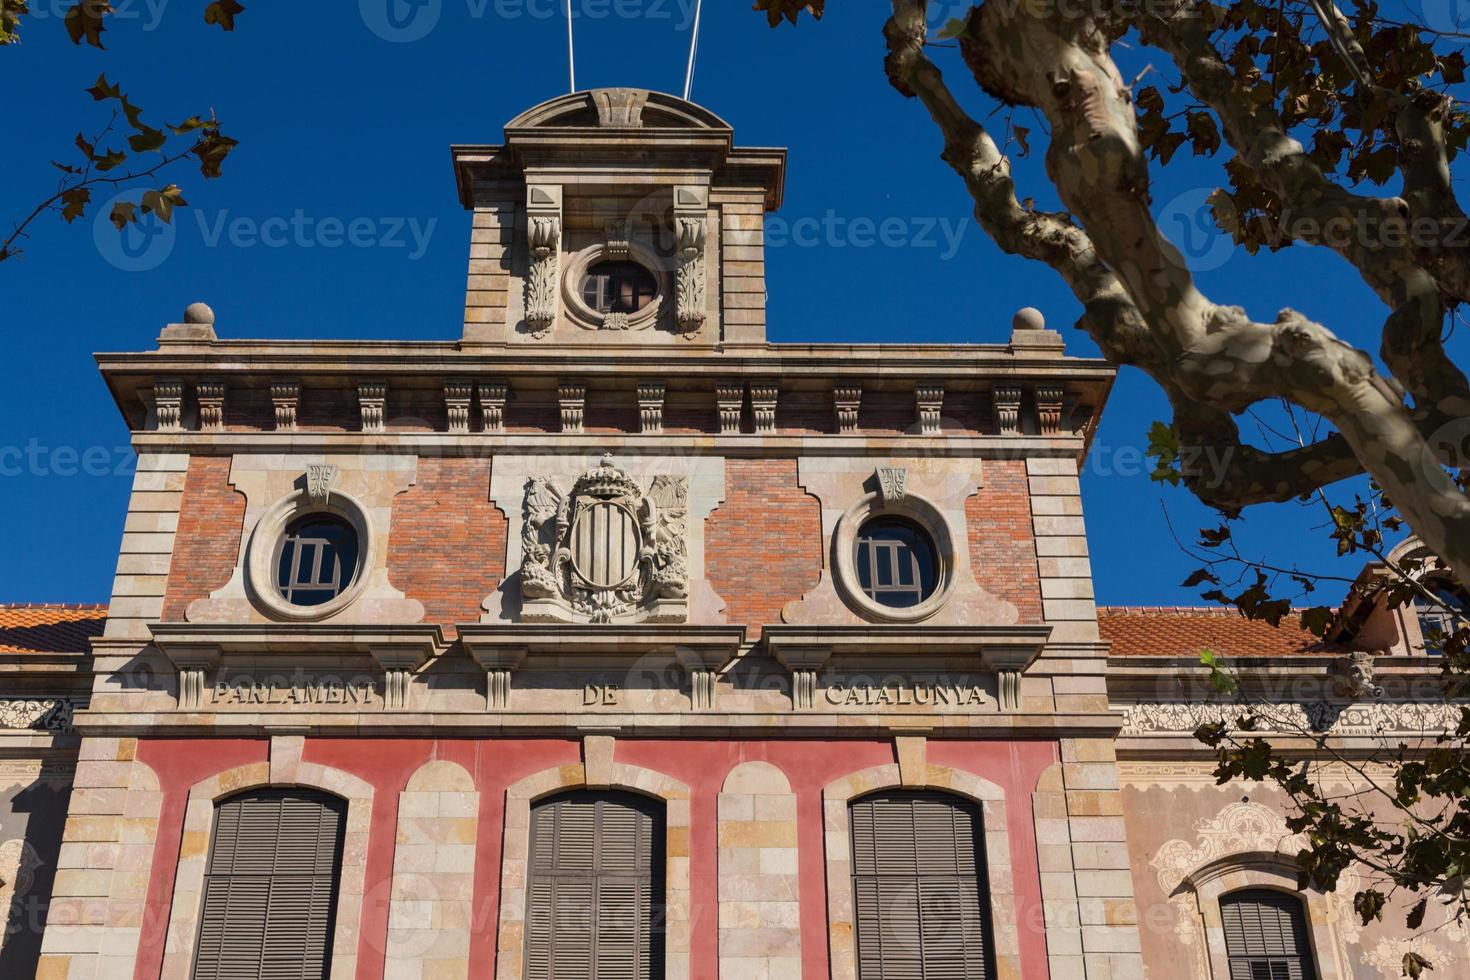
{"x": 693, "y": 50}
{"x": 571, "y": 50}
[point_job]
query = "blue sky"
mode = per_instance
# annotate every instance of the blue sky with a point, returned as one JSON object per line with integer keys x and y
{"x": 345, "y": 117}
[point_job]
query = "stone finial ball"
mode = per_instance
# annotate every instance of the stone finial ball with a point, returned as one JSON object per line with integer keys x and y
{"x": 199, "y": 313}
{"x": 1028, "y": 318}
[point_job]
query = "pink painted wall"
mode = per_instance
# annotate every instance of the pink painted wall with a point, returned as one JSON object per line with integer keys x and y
{"x": 495, "y": 764}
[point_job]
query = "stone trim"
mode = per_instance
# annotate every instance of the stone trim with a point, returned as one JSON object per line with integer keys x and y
{"x": 431, "y": 911}
{"x": 841, "y": 920}
{"x": 759, "y": 882}
{"x": 183, "y": 926}
{"x": 1276, "y": 872}
{"x": 515, "y": 871}
{"x": 104, "y": 866}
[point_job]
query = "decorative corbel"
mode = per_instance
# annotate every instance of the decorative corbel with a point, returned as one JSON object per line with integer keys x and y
{"x": 458, "y": 393}
{"x": 194, "y": 664}
{"x": 372, "y": 400}
{"x": 499, "y": 663}
{"x": 399, "y": 666}
{"x": 168, "y": 404}
{"x": 319, "y": 480}
{"x": 848, "y": 398}
{"x": 1007, "y": 401}
{"x": 763, "y": 398}
{"x": 729, "y": 395}
{"x": 619, "y": 240}
{"x": 651, "y": 406}
{"x": 1049, "y": 408}
{"x": 930, "y": 399}
{"x": 892, "y": 485}
{"x": 703, "y": 667}
{"x": 691, "y": 220}
{"x": 285, "y": 396}
{"x": 211, "y": 393}
{"x": 543, "y": 240}
{"x": 1008, "y": 690}
{"x": 804, "y": 663}
{"x": 492, "y": 403}
{"x": 573, "y": 399}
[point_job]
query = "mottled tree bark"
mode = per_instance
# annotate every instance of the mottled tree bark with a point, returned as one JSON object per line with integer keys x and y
{"x": 1142, "y": 304}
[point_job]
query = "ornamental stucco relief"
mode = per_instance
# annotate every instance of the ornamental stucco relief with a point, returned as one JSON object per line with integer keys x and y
{"x": 607, "y": 551}
{"x": 598, "y": 540}
{"x": 1326, "y": 717}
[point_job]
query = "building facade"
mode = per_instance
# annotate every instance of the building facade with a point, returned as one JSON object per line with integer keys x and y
{"x": 613, "y": 640}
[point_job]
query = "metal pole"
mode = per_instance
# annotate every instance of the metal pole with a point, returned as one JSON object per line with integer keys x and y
{"x": 571, "y": 50}
{"x": 693, "y": 50}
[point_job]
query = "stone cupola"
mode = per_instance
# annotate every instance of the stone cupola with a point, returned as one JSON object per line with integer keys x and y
{"x": 617, "y": 217}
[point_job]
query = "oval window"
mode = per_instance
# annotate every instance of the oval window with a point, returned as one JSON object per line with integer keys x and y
{"x": 318, "y": 559}
{"x": 897, "y": 563}
{"x": 618, "y": 287}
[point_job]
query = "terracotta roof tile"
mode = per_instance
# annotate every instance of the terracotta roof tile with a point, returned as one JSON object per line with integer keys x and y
{"x": 1185, "y": 631}
{"x": 49, "y": 628}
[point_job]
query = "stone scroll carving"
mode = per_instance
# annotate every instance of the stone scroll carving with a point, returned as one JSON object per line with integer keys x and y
{"x": 691, "y": 281}
{"x": 544, "y": 241}
{"x": 607, "y": 551}
{"x": 1323, "y": 717}
{"x": 37, "y": 714}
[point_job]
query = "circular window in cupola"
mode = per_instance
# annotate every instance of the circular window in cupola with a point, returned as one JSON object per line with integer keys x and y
{"x": 622, "y": 287}
{"x": 618, "y": 287}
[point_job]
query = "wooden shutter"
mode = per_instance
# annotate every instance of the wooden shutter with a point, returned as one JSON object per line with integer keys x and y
{"x": 1266, "y": 936}
{"x": 596, "y": 892}
{"x": 918, "y": 882}
{"x": 270, "y": 888}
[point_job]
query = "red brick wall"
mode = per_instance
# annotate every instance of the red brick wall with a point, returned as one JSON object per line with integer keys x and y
{"x": 763, "y": 545}
{"x": 1002, "y": 547}
{"x": 207, "y": 544}
{"x": 447, "y": 544}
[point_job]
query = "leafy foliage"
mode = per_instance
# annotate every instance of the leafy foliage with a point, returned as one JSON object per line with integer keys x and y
{"x": 144, "y": 151}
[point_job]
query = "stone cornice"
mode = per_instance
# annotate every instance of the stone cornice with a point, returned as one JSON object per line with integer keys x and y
{"x": 191, "y": 644}
{"x": 1002, "y": 648}
{"x": 710, "y": 646}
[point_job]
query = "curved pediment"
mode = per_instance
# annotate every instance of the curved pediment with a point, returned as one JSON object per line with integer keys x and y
{"x": 618, "y": 108}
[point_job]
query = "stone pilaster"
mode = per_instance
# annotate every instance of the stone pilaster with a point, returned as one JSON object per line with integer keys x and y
{"x": 147, "y": 544}
{"x": 430, "y": 912}
{"x": 760, "y": 912}
{"x": 100, "y": 894}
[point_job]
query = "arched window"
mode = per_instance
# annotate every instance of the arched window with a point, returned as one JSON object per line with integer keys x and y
{"x": 1266, "y": 936}
{"x": 270, "y": 887}
{"x": 595, "y": 899}
{"x": 917, "y": 868}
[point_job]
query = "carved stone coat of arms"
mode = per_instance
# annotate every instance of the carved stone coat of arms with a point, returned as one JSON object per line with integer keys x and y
{"x": 606, "y": 552}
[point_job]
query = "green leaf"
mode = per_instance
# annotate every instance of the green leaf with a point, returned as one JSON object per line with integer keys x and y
{"x": 1163, "y": 447}
{"x": 953, "y": 29}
